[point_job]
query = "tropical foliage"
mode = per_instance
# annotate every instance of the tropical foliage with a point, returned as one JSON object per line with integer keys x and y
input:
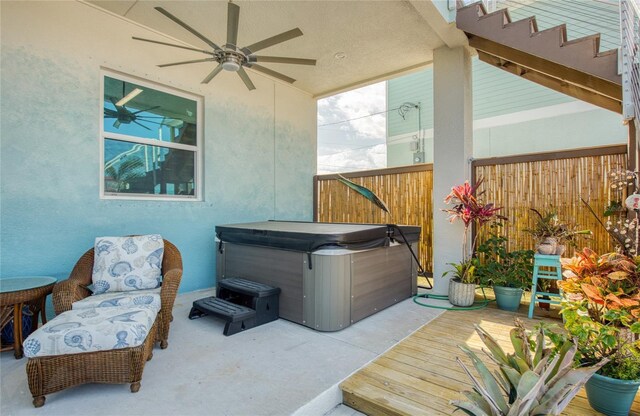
{"x": 468, "y": 208}
{"x": 465, "y": 271}
{"x": 601, "y": 308}
{"x": 500, "y": 267}
{"x": 537, "y": 379}
{"x": 128, "y": 170}
{"x": 549, "y": 225}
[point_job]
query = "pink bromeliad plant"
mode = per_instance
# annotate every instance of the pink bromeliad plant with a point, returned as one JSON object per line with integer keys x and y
{"x": 468, "y": 208}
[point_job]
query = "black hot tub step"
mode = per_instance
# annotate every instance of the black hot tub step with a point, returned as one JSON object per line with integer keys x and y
{"x": 238, "y": 317}
{"x": 248, "y": 287}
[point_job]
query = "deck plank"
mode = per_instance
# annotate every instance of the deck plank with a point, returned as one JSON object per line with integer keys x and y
{"x": 420, "y": 375}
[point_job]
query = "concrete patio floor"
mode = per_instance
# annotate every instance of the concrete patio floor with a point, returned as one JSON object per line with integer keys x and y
{"x": 277, "y": 369}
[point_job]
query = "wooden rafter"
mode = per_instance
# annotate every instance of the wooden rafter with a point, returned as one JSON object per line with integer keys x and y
{"x": 569, "y": 81}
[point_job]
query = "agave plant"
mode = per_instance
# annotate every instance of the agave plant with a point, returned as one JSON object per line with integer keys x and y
{"x": 534, "y": 380}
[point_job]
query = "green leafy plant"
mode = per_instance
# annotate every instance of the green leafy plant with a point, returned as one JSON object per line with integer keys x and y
{"x": 465, "y": 271}
{"x": 500, "y": 267}
{"x": 601, "y": 309}
{"x": 549, "y": 225}
{"x": 537, "y": 379}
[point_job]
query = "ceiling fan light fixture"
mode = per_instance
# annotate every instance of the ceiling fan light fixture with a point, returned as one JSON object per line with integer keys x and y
{"x": 230, "y": 66}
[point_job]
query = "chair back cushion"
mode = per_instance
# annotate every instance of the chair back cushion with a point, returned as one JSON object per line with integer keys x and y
{"x": 93, "y": 329}
{"x": 122, "y": 264}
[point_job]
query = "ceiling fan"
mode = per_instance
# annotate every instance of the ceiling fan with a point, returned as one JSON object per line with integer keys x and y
{"x": 125, "y": 116}
{"x": 232, "y": 58}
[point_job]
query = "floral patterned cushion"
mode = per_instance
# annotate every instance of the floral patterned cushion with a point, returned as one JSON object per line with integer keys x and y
{"x": 93, "y": 329}
{"x": 123, "y": 264}
{"x": 149, "y": 297}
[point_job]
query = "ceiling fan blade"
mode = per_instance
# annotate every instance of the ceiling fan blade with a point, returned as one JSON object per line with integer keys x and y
{"x": 233, "y": 16}
{"x": 187, "y": 62}
{"x": 274, "y": 40}
{"x": 141, "y": 125}
{"x": 212, "y": 74}
{"x": 146, "y": 109}
{"x": 272, "y": 73}
{"x": 171, "y": 44}
{"x": 283, "y": 60}
{"x": 245, "y": 78}
{"x": 189, "y": 28}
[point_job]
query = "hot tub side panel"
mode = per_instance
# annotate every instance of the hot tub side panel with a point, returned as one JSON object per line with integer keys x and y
{"x": 380, "y": 278}
{"x": 274, "y": 267}
{"x": 327, "y": 292}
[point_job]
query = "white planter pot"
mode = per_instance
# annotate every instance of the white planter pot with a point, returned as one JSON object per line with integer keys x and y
{"x": 548, "y": 246}
{"x": 461, "y": 294}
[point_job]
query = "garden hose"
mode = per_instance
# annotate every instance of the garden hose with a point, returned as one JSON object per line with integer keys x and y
{"x": 476, "y": 305}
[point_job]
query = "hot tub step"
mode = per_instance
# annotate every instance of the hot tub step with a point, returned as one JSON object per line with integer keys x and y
{"x": 238, "y": 317}
{"x": 262, "y": 298}
{"x": 247, "y": 287}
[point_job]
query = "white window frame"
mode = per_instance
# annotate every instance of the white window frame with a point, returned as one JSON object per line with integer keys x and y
{"x": 197, "y": 149}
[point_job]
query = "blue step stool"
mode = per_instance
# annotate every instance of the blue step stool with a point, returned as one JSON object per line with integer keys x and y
{"x": 545, "y": 267}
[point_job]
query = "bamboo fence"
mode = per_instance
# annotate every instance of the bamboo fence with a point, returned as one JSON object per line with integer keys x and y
{"x": 551, "y": 182}
{"x": 544, "y": 181}
{"x": 407, "y": 192}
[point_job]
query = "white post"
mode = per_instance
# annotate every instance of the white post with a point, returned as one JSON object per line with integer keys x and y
{"x": 452, "y": 145}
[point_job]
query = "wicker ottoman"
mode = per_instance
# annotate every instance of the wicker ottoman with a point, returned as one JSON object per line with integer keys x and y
{"x": 96, "y": 360}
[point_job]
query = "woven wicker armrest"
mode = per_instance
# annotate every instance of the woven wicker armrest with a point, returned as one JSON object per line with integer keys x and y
{"x": 74, "y": 288}
{"x": 67, "y": 292}
{"x": 170, "y": 283}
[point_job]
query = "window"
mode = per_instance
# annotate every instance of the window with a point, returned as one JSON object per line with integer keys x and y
{"x": 151, "y": 141}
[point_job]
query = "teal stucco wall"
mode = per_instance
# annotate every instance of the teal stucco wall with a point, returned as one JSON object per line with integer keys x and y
{"x": 259, "y": 146}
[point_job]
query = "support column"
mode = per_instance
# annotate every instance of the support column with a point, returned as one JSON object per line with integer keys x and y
{"x": 452, "y": 145}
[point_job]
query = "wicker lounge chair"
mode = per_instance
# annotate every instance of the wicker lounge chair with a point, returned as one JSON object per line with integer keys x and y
{"x": 76, "y": 288}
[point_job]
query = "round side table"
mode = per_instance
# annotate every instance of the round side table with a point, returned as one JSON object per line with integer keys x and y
{"x": 15, "y": 293}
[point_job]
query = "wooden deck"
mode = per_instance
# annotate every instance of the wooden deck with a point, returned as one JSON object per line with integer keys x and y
{"x": 419, "y": 376}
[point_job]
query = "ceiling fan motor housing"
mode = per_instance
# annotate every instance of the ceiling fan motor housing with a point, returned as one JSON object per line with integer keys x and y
{"x": 231, "y": 61}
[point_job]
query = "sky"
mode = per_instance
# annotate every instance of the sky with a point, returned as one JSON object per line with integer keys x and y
{"x": 360, "y": 143}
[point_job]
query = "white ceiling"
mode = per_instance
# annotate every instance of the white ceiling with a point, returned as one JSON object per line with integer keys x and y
{"x": 379, "y": 38}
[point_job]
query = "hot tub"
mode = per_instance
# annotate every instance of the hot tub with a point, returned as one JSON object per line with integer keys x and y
{"x": 331, "y": 275}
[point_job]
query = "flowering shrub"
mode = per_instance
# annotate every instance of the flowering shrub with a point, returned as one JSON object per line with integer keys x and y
{"x": 623, "y": 229}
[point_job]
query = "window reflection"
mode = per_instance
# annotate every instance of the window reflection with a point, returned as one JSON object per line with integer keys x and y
{"x": 142, "y": 169}
{"x": 140, "y": 111}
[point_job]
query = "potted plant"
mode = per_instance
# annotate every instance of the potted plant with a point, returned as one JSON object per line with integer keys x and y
{"x": 551, "y": 234}
{"x": 533, "y": 380}
{"x": 462, "y": 287}
{"x": 509, "y": 272}
{"x": 467, "y": 208}
{"x": 601, "y": 309}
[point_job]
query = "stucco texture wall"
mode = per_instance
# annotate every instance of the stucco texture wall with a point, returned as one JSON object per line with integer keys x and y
{"x": 259, "y": 146}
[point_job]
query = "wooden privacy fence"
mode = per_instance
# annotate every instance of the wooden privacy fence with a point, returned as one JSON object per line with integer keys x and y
{"x": 542, "y": 181}
{"x": 551, "y": 181}
{"x": 407, "y": 192}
